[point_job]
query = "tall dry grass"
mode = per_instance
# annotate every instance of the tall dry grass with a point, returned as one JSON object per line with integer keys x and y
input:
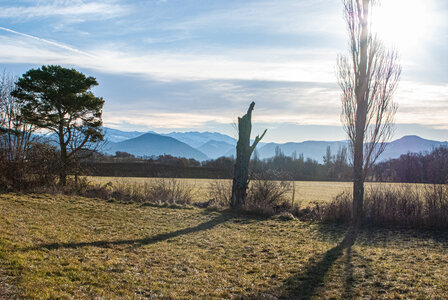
{"x": 402, "y": 206}
{"x": 157, "y": 191}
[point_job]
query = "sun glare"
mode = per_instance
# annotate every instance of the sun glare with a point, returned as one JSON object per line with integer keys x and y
{"x": 402, "y": 23}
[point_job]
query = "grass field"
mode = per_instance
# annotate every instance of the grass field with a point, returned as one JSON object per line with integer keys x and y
{"x": 305, "y": 191}
{"x": 72, "y": 247}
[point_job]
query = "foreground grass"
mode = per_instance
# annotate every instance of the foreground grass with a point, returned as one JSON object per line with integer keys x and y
{"x": 69, "y": 247}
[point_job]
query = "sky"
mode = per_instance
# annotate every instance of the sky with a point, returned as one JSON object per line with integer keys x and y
{"x": 190, "y": 65}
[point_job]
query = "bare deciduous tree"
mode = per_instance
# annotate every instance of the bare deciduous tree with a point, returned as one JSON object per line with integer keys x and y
{"x": 15, "y": 136}
{"x": 15, "y": 132}
{"x": 368, "y": 77}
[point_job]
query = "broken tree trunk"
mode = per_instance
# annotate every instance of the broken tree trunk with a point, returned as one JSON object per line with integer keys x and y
{"x": 243, "y": 153}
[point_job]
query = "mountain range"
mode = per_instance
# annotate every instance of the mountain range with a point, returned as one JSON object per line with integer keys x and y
{"x": 211, "y": 145}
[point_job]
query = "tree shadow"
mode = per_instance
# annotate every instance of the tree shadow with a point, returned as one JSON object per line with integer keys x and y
{"x": 224, "y": 217}
{"x": 348, "y": 272}
{"x": 304, "y": 285}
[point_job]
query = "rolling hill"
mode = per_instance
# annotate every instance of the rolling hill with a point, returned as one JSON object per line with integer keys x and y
{"x": 410, "y": 143}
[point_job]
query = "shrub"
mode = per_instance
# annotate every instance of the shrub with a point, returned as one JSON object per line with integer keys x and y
{"x": 34, "y": 169}
{"x": 170, "y": 191}
{"x": 338, "y": 210}
{"x": 436, "y": 208}
{"x": 219, "y": 193}
{"x": 43, "y": 163}
{"x": 264, "y": 197}
{"x": 160, "y": 191}
{"x": 269, "y": 198}
{"x": 403, "y": 206}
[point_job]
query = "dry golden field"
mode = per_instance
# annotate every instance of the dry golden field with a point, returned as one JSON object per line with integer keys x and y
{"x": 306, "y": 192}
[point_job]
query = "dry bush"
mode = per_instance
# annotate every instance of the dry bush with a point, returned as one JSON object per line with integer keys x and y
{"x": 436, "y": 206}
{"x": 4, "y": 182}
{"x": 35, "y": 171}
{"x": 403, "y": 206}
{"x": 219, "y": 193}
{"x": 158, "y": 191}
{"x": 169, "y": 191}
{"x": 269, "y": 198}
{"x": 264, "y": 197}
{"x": 43, "y": 164}
{"x": 339, "y": 210}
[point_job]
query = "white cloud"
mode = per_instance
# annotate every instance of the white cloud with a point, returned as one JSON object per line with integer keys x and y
{"x": 163, "y": 119}
{"x": 425, "y": 104}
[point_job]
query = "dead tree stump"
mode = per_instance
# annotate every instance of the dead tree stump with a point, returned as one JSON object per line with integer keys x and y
{"x": 243, "y": 153}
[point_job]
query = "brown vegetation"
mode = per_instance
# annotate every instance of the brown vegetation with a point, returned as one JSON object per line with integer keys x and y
{"x": 405, "y": 206}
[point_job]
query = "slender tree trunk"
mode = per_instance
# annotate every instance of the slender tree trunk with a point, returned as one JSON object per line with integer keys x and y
{"x": 63, "y": 171}
{"x": 358, "y": 184}
{"x": 361, "y": 114}
{"x": 243, "y": 153}
{"x": 64, "y": 162}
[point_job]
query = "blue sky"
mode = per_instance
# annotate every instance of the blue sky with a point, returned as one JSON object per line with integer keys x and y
{"x": 196, "y": 65}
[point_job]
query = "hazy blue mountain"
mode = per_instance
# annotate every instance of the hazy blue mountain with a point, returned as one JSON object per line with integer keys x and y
{"x": 115, "y": 135}
{"x": 196, "y": 139}
{"x": 317, "y": 149}
{"x": 203, "y": 145}
{"x": 214, "y": 149}
{"x": 410, "y": 143}
{"x": 150, "y": 144}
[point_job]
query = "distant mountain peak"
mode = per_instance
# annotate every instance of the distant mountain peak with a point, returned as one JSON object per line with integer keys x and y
{"x": 411, "y": 137}
{"x": 152, "y": 144}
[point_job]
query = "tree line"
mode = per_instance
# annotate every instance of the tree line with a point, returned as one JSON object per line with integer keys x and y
{"x": 335, "y": 167}
{"x": 429, "y": 167}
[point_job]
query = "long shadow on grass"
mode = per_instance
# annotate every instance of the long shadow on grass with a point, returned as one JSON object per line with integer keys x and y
{"x": 225, "y": 216}
{"x": 304, "y": 285}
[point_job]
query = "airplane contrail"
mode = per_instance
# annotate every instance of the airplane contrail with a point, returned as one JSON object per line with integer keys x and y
{"x": 47, "y": 41}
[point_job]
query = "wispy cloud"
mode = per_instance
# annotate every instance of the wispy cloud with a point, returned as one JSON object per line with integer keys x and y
{"x": 74, "y": 8}
{"x": 290, "y": 16}
{"x": 242, "y": 64}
